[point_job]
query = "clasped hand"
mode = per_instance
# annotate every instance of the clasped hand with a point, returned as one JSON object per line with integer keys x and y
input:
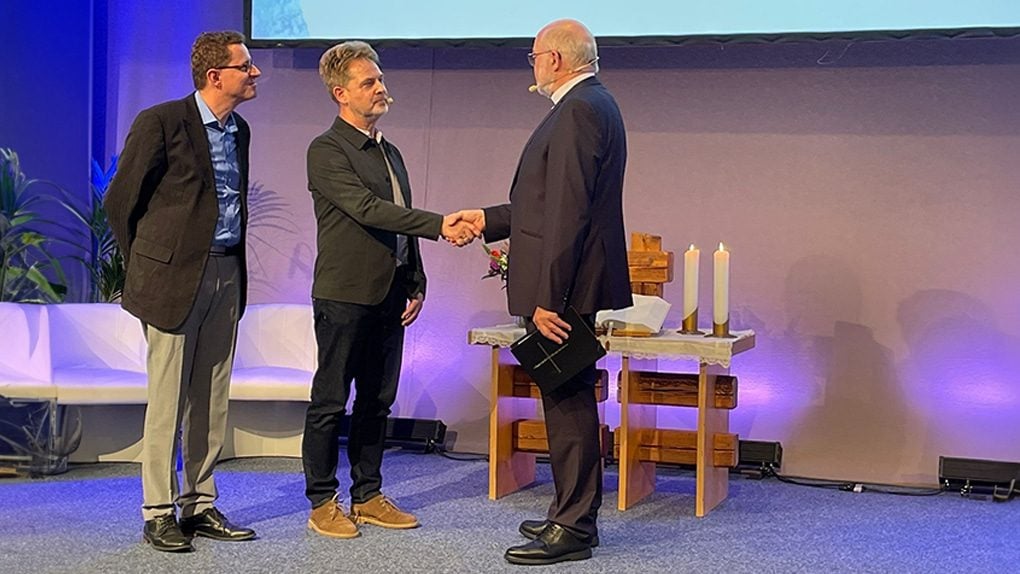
{"x": 462, "y": 227}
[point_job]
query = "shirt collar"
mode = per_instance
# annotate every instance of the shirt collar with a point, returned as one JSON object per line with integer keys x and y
{"x": 378, "y": 134}
{"x": 209, "y": 118}
{"x": 562, "y": 90}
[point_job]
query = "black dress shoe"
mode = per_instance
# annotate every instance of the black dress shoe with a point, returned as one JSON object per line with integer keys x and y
{"x": 554, "y": 544}
{"x": 212, "y": 524}
{"x": 530, "y": 529}
{"x": 165, "y": 535}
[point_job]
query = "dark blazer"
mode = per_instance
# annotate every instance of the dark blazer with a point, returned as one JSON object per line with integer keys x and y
{"x": 565, "y": 216}
{"x": 162, "y": 209}
{"x": 357, "y": 220}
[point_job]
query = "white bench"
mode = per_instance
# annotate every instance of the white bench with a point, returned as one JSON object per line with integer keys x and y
{"x": 98, "y": 355}
{"x": 275, "y": 357}
{"x": 94, "y": 353}
{"x": 92, "y": 356}
{"x": 25, "y": 352}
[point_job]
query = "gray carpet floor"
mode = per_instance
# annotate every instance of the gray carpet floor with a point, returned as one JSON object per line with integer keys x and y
{"x": 88, "y": 520}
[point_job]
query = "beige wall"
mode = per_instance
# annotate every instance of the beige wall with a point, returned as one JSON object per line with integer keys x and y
{"x": 871, "y": 207}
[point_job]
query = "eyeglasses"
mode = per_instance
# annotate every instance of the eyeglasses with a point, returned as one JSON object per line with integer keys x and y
{"x": 533, "y": 55}
{"x": 245, "y": 68}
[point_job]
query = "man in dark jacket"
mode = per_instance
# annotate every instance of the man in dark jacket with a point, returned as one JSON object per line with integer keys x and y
{"x": 369, "y": 285}
{"x": 568, "y": 248}
{"x": 178, "y": 208}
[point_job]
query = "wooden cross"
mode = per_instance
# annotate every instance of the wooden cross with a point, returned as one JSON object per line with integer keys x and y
{"x": 650, "y": 266}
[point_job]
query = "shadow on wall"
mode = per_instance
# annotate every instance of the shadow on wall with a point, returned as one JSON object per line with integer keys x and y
{"x": 271, "y": 225}
{"x": 444, "y": 378}
{"x": 962, "y": 373}
{"x": 855, "y": 427}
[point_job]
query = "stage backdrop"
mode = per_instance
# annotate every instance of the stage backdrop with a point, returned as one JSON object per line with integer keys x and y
{"x": 868, "y": 192}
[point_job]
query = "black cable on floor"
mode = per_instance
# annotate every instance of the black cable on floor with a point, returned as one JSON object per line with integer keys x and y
{"x": 904, "y": 490}
{"x": 765, "y": 471}
{"x": 813, "y": 483}
{"x": 858, "y": 487}
{"x": 462, "y": 458}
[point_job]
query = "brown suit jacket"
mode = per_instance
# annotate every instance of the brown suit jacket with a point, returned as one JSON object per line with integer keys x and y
{"x": 565, "y": 216}
{"x": 162, "y": 209}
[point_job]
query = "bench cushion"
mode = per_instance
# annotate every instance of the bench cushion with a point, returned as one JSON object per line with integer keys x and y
{"x": 91, "y": 386}
{"x": 25, "y": 356}
{"x": 98, "y": 354}
{"x": 270, "y": 384}
{"x": 95, "y": 353}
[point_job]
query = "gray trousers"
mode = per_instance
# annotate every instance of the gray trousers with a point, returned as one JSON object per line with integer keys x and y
{"x": 188, "y": 393}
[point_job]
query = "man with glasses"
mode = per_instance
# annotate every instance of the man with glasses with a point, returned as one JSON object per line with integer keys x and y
{"x": 178, "y": 209}
{"x": 565, "y": 223}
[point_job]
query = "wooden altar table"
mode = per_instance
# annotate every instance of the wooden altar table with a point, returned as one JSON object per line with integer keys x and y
{"x": 640, "y": 444}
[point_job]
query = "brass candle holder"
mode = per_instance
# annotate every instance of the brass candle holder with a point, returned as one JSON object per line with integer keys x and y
{"x": 721, "y": 330}
{"x": 689, "y": 325}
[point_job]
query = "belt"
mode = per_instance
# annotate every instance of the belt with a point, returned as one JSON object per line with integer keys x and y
{"x": 224, "y": 251}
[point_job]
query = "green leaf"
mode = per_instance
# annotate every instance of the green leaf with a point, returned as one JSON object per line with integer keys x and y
{"x": 53, "y": 291}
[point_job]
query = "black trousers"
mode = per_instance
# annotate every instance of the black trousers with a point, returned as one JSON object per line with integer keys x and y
{"x": 572, "y": 425}
{"x": 363, "y": 343}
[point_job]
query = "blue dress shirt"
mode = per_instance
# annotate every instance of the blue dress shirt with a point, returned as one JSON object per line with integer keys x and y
{"x": 227, "y": 173}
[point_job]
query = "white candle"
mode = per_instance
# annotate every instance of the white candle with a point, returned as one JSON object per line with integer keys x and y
{"x": 721, "y": 303}
{"x": 692, "y": 258}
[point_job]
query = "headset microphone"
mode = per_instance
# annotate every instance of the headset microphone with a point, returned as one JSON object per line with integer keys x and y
{"x": 389, "y": 100}
{"x": 536, "y": 87}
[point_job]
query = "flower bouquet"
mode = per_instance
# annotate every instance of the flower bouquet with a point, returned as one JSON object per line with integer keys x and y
{"x": 498, "y": 261}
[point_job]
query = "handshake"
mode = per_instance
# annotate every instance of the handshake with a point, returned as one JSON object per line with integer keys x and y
{"x": 462, "y": 227}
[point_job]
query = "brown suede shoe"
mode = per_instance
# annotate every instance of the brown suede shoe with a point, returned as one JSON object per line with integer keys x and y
{"x": 330, "y": 520}
{"x": 381, "y": 511}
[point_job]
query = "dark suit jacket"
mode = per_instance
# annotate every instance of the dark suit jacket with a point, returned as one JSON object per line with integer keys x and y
{"x": 357, "y": 220}
{"x": 565, "y": 216}
{"x": 162, "y": 209}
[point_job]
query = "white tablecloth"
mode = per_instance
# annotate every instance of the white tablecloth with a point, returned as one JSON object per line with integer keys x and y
{"x": 668, "y": 344}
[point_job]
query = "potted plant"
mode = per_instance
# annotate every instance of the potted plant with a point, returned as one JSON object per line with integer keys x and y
{"x": 28, "y": 271}
{"x": 102, "y": 259}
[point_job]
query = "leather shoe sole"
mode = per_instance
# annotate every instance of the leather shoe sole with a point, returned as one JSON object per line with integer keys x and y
{"x": 530, "y": 529}
{"x": 555, "y": 544}
{"x": 212, "y": 524}
{"x": 164, "y": 548}
{"x": 362, "y": 519}
{"x": 583, "y": 554}
{"x": 249, "y": 535}
{"x": 333, "y": 534}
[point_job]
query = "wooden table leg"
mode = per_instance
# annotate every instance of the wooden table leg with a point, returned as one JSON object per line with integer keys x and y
{"x": 509, "y": 471}
{"x": 637, "y": 479}
{"x": 712, "y": 481}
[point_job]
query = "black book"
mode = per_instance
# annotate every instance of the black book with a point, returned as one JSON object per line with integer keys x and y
{"x": 551, "y": 364}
